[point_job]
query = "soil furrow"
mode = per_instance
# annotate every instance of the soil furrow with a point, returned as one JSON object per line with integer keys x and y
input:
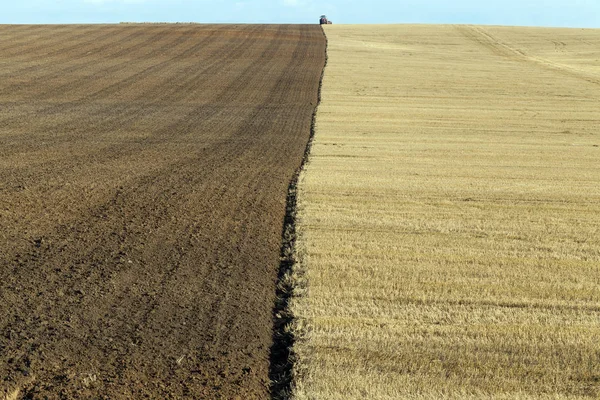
{"x": 119, "y": 85}
{"x": 95, "y": 41}
{"x": 128, "y": 115}
{"x": 21, "y": 35}
{"x": 105, "y": 91}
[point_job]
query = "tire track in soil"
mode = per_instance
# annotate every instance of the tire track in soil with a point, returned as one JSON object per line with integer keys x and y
{"x": 121, "y": 295}
{"x": 493, "y": 44}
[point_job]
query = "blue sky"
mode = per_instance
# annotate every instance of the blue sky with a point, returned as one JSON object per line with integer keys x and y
{"x": 569, "y": 13}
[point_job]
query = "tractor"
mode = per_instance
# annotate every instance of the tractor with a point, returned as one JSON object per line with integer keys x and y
{"x": 324, "y": 21}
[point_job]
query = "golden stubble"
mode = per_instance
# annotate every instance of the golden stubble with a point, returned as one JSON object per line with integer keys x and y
{"x": 449, "y": 217}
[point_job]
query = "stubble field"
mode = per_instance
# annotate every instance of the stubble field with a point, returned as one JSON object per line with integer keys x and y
{"x": 143, "y": 180}
{"x": 449, "y": 215}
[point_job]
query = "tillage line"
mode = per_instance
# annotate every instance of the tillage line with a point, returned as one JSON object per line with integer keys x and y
{"x": 282, "y": 355}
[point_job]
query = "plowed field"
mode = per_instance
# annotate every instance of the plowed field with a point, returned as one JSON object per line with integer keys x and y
{"x": 143, "y": 179}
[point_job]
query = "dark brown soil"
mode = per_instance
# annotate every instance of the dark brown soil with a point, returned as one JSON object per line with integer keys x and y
{"x": 143, "y": 179}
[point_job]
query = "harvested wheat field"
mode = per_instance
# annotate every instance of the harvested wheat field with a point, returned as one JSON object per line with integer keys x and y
{"x": 449, "y": 217}
{"x": 143, "y": 180}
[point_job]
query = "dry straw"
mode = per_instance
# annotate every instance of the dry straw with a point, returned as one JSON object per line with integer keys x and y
{"x": 449, "y": 217}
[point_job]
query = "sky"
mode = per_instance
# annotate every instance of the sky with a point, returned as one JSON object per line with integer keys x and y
{"x": 558, "y": 13}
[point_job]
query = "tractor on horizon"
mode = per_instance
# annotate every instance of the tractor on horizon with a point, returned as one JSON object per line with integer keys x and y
{"x": 324, "y": 21}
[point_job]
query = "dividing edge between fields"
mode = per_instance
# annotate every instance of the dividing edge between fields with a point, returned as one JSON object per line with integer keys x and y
{"x": 291, "y": 279}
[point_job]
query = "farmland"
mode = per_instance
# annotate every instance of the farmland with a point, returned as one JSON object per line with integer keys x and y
{"x": 448, "y": 217}
{"x": 143, "y": 180}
